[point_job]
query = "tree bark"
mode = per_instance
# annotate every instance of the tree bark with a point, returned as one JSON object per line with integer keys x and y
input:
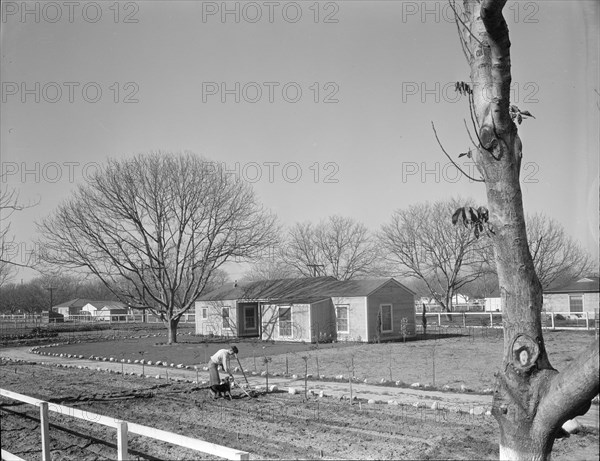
{"x": 531, "y": 399}
{"x": 172, "y": 330}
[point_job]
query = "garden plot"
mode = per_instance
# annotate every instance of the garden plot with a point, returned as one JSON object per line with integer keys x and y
{"x": 273, "y": 426}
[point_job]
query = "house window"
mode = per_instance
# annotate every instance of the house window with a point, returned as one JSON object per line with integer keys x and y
{"x": 342, "y": 319}
{"x": 385, "y": 311}
{"x": 204, "y": 313}
{"x": 249, "y": 317}
{"x": 576, "y": 303}
{"x": 285, "y": 321}
{"x": 225, "y": 314}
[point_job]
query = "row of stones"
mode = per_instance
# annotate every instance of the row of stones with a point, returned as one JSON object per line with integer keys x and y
{"x": 383, "y": 381}
{"x": 571, "y": 426}
{"x": 387, "y": 382}
{"x": 273, "y": 388}
{"x": 477, "y": 410}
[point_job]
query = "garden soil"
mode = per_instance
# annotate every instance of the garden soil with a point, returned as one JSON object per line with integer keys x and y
{"x": 277, "y": 425}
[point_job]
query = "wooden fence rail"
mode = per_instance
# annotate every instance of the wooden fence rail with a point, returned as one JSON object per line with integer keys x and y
{"x": 123, "y": 428}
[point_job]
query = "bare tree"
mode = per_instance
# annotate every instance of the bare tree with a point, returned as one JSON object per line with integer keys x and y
{"x": 12, "y": 299}
{"x": 155, "y": 228}
{"x": 340, "y": 247}
{"x": 556, "y": 255}
{"x": 23, "y": 298}
{"x": 531, "y": 400}
{"x": 419, "y": 243}
{"x": 9, "y": 203}
{"x": 270, "y": 269}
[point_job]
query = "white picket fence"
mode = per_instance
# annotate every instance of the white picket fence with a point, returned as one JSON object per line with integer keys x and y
{"x": 550, "y": 320}
{"x": 123, "y": 428}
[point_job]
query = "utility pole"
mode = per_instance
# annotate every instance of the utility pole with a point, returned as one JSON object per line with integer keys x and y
{"x": 50, "y": 289}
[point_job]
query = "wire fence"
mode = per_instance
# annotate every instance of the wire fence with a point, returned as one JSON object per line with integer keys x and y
{"x": 36, "y": 326}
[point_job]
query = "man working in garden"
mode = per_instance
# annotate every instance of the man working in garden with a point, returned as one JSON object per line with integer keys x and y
{"x": 220, "y": 359}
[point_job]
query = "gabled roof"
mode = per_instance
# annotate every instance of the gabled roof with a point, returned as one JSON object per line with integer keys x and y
{"x": 266, "y": 289}
{"x": 77, "y": 302}
{"x": 115, "y": 308}
{"x": 300, "y": 290}
{"x": 352, "y": 288}
{"x": 582, "y": 285}
{"x": 80, "y": 302}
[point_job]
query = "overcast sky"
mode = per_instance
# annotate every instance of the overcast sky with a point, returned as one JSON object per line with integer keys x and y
{"x": 325, "y": 107}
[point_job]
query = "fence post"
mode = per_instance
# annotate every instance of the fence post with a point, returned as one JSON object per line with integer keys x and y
{"x": 45, "y": 426}
{"x": 587, "y": 321}
{"x": 464, "y": 320}
{"x": 552, "y": 319}
{"x": 122, "y": 440}
{"x": 491, "y": 320}
{"x": 439, "y": 318}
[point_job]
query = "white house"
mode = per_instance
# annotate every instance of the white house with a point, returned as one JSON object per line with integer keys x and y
{"x": 575, "y": 297}
{"x": 309, "y": 309}
{"x": 104, "y": 309}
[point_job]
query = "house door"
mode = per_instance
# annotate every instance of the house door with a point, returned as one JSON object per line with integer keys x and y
{"x": 249, "y": 319}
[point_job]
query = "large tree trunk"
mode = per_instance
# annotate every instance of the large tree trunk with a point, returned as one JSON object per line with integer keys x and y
{"x": 172, "y": 330}
{"x": 531, "y": 400}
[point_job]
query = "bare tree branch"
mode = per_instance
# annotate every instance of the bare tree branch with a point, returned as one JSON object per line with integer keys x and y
{"x": 450, "y": 158}
{"x": 339, "y": 247}
{"x": 421, "y": 242}
{"x": 9, "y": 203}
{"x": 155, "y": 228}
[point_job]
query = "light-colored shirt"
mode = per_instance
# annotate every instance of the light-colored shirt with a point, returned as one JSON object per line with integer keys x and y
{"x": 222, "y": 357}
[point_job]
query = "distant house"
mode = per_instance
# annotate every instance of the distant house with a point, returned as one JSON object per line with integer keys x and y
{"x": 492, "y": 301}
{"x": 309, "y": 309}
{"x": 115, "y": 312}
{"x": 575, "y": 297}
{"x": 69, "y": 308}
{"x": 460, "y": 303}
{"x": 93, "y": 308}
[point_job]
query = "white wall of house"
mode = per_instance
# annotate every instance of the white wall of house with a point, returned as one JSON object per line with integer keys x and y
{"x": 209, "y": 318}
{"x": 93, "y": 310}
{"x": 568, "y": 302}
{"x": 357, "y": 318}
{"x": 493, "y": 304}
{"x": 274, "y": 327}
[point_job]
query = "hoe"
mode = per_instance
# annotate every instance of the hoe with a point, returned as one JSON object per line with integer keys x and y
{"x": 247, "y": 385}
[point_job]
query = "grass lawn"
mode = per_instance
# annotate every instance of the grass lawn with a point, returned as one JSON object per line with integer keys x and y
{"x": 451, "y": 361}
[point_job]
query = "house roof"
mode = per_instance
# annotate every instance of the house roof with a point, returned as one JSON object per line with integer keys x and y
{"x": 114, "y": 309}
{"x": 583, "y": 285}
{"x": 77, "y": 302}
{"x": 266, "y": 289}
{"x": 80, "y": 302}
{"x": 300, "y": 290}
